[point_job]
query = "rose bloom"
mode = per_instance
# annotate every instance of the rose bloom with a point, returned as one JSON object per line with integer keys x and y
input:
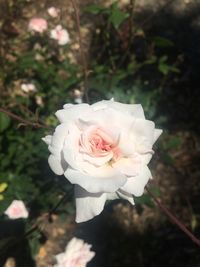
{"x": 60, "y": 34}
{"x": 17, "y": 210}
{"x": 28, "y": 87}
{"x": 53, "y": 11}
{"x": 104, "y": 150}
{"x": 38, "y": 25}
{"x": 77, "y": 254}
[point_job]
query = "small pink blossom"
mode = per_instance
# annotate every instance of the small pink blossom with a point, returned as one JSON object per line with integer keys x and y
{"x": 17, "y": 210}
{"x": 38, "y": 25}
{"x": 76, "y": 254}
{"x": 53, "y": 11}
{"x": 28, "y": 87}
{"x": 60, "y": 34}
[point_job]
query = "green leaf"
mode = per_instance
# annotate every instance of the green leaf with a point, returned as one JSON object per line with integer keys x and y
{"x": 173, "y": 143}
{"x": 163, "y": 59}
{"x": 117, "y": 16}
{"x": 163, "y": 68}
{"x": 4, "y": 122}
{"x": 145, "y": 199}
{"x": 94, "y": 9}
{"x": 162, "y": 42}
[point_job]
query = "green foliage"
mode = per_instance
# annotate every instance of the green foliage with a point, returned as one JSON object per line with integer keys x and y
{"x": 95, "y": 9}
{"x": 4, "y": 122}
{"x": 162, "y": 42}
{"x": 114, "y": 14}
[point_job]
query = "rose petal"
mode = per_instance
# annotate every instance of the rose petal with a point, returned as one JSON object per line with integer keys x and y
{"x": 128, "y": 166}
{"x": 147, "y": 157}
{"x": 120, "y": 194}
{"x": 135, "y": 185}
{"x": 72, "y": 112}
{"x": 98, "y": 161}
{"x": 95, "y": 184}
{"x": 55, "y": 165}
{"x": 59, "y": 136}
{"x": 102, "y": 119}
{"x": 47, "y": 139}
{"x": 143, "y": 132}
{"x": 157, "y": 133}
{"x": 135, "y": 110}
{"x": 88, "y": 205}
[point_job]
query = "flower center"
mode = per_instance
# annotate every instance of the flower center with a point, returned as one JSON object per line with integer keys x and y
{"x": 98, "y": 143}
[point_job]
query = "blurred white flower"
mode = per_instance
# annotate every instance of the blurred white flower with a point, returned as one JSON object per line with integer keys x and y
{"x": 60, "y": 34}
{"x": 37, "y": 25}
{"x": 17, "y": 210}
{"x": 39, "y": 100}
{"x": 78, "y": 96}
{"x": 53, "y": 11}
{"x": 77, "y": 254}
{"x": 28, "y": 87}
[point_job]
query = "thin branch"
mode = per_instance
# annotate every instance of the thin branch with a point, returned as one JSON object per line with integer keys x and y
{"x": 25, "y": 122}
{"x": 83, "y": 58}
{"x": 173, "y": 218}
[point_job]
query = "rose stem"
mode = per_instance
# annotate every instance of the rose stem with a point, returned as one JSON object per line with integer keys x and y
{"x": 83, "y": 59}
{"x": 173, "y": 218}
{"x": 22, "y": 120}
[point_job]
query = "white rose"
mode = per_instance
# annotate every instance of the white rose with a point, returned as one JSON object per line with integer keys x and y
{"x": 104, "y": 150}
{"x": 17, "y": 210}
{"x": 60, "y": 34}
{"x": 77, "y": 254}
{"x": 53, "y": 11}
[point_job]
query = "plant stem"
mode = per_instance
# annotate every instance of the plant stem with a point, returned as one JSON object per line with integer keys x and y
{"x": 35, "y": 124}
{"x": 173, "y": 218}
{"x": 83, "y": 59}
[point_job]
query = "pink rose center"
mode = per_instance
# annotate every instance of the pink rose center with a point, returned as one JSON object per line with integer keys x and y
{"x": 59, "y": 34}
{"x": 98, "y": 143}
{"x": 16, "y": 211}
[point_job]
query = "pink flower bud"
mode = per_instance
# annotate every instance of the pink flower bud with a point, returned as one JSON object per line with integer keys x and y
{"x": 53, "y": 11}
{"x": 17, "y": 210}
{"x": 38, "y": 25}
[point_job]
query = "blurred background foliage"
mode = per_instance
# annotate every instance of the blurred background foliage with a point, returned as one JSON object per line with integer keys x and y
{"x": 134, "y": 57}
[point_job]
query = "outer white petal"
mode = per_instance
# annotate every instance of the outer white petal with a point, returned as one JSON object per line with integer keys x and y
{"x": 157, "y": 133}
{"x": 95, "y": 184}
{"x": 59, "y": 136}
{"x": 125, "y": 195}
{"x": 88, "y": 205}
{"x": 135, "y": 185}
{"x": 147, "y": 157}
{"x": 120, "y": 194}
{"x": 55, "y": 165}
{"x": 128, "y": 166}
{"x": 143, "y": 132}
{"x": 47, "y": 139}
{"x": 71, "y": 147}
{"x": 135, "y": 110}
{"x": 72, "y": 112}
{"x": 126, "y": 142}
{"x": 144, "y": 128}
